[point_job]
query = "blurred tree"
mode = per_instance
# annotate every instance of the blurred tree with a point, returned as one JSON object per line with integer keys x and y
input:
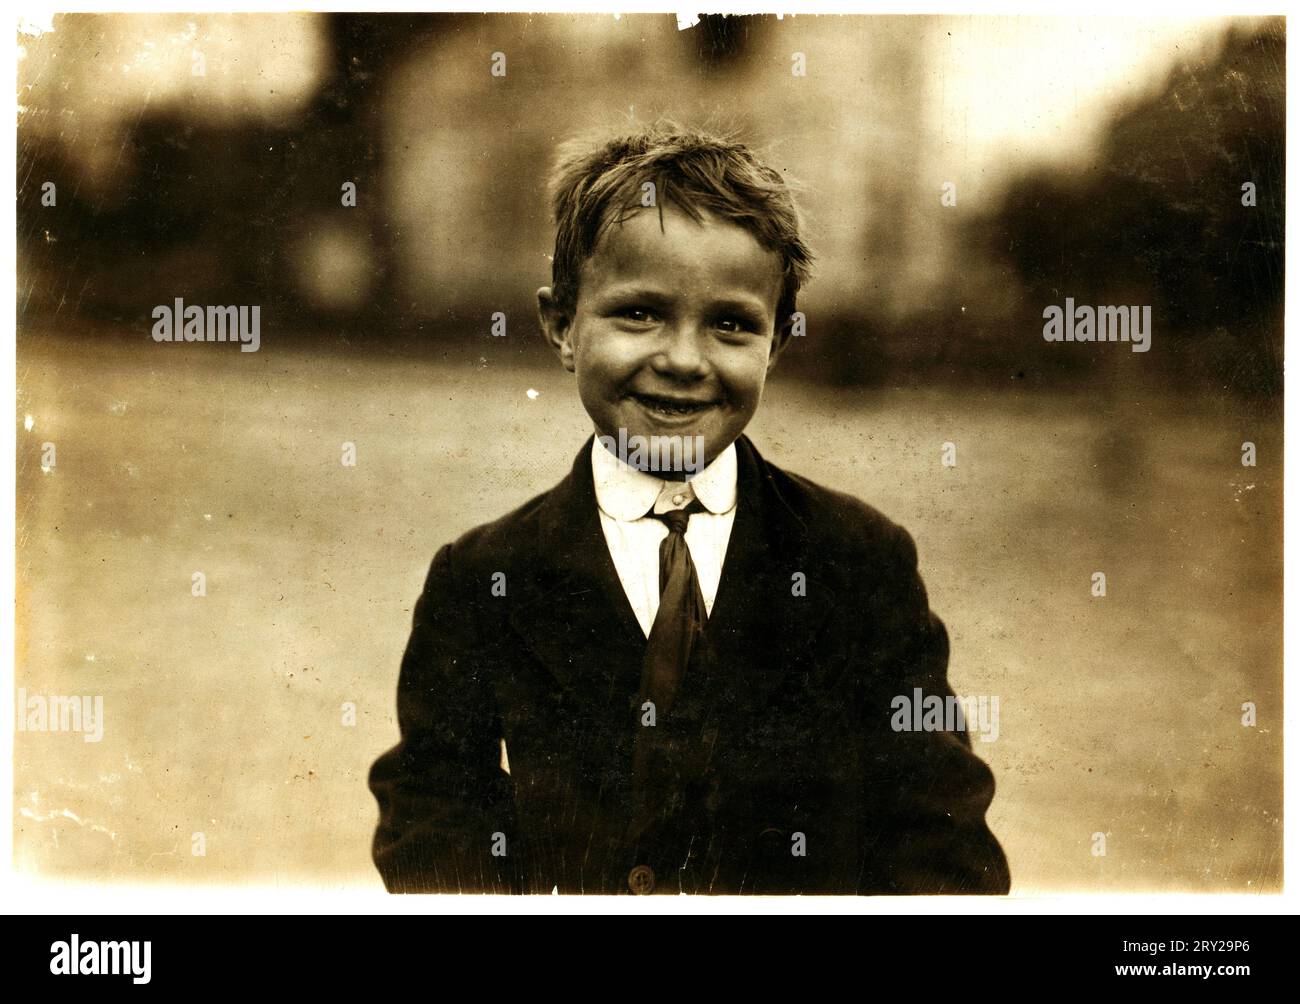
{"x": 1162, "y": 222}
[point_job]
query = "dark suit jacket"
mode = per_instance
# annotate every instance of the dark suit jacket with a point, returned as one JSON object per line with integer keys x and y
{"x": 786, "y": 723}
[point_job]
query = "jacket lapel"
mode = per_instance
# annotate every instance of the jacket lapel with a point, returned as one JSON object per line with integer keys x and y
{"x": 574, "y": 614}
{"x": 762, "y": 626}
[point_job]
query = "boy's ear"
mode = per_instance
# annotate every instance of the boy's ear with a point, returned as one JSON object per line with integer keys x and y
{"x": 557, "y": 326}
{"x": 780, "y": 340}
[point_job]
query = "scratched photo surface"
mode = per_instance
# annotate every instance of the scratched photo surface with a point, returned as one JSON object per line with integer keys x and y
{"x": 220, "y": 543}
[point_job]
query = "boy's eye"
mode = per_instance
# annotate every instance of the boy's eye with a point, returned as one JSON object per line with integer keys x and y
{"x": 637, "y": 315}
{"x": 735, "y": 325}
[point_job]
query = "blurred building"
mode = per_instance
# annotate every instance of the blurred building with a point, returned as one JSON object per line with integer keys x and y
{"x": 206, "y": 157}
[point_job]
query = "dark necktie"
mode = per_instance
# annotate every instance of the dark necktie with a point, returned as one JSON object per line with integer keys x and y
{"x": 680, "y": 619}
{"x": 658, "y": 784}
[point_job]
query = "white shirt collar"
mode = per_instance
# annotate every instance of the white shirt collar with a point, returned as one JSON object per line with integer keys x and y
{"x": 626, "y": 494}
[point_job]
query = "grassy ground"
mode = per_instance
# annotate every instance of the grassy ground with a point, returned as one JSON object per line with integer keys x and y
{"x": 1119, "y": 715}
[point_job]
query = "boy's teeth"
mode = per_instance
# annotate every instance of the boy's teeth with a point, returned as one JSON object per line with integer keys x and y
{"x": 670, "y": 408}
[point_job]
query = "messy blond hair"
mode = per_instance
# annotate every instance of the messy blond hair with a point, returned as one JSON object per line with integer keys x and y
{"x": 597, "y": 184}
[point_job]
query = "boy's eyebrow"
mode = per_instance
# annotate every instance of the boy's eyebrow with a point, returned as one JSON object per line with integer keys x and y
{"x": 741, "y": 304}
{"x": 633, "y": 291}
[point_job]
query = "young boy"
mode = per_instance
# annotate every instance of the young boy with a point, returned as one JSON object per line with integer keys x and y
{"x": 682, "y": 680}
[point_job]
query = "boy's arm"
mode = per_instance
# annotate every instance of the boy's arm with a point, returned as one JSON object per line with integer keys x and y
{"x": 442, "y": 793}
{"x": 925, "y": 793}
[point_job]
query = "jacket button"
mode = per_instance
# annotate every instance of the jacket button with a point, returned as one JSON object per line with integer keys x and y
{"x": 770, "y": 841}
{"x": 641, "y": 880}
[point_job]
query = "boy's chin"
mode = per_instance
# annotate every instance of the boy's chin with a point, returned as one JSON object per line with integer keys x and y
{"x": 672, "y": 454}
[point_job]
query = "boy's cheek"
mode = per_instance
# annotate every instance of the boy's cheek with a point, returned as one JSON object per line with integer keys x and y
{"x": 606, "y": 358}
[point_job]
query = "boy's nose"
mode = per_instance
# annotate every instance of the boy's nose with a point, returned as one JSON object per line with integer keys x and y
{"x": 680, "y": 353}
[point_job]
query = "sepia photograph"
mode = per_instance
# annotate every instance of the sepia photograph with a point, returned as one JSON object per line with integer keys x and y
{"x": 623, "y": 454}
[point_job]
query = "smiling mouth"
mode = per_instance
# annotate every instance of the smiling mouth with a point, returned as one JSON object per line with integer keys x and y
{"x": 672, "y": 407}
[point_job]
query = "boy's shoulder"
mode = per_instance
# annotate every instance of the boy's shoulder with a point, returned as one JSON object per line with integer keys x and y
{"x": 839, "y": 522}
{"x": 829, "y": 510}
{"x": 509, "y": 537}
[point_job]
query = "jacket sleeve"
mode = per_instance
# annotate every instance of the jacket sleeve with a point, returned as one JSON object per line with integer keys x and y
{"x": 445, "y": 803}
{"x": 925, "y": 792}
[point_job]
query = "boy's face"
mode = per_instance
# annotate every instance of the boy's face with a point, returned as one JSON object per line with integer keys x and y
{"x": 674, "y": 330}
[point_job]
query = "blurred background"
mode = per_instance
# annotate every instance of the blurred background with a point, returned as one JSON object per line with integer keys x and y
{"x": 204, "y": 157}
